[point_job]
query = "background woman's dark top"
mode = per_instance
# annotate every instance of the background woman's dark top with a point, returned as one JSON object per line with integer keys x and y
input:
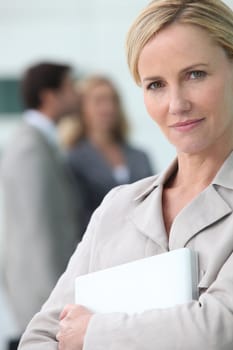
{"x": 94, "y": 176}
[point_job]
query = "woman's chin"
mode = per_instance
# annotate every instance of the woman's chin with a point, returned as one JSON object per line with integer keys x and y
{"x": 193, "y": 148}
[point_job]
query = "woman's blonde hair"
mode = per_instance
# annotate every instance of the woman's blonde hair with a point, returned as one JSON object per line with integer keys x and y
{"x": 212, "y": 15}
{"x": 119, "y": 132}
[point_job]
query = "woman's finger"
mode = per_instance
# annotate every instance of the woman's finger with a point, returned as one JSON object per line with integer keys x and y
{"x": 65, "y": 311}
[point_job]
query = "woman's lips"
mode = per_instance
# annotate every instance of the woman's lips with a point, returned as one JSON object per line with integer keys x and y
{"x": 187, "y": 125}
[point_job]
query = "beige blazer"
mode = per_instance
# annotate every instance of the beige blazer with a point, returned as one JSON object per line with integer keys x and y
{"x": 128, "y": 226}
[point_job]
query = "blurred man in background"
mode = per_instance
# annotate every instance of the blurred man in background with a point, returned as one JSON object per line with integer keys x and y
{"x": 41, "y": 228}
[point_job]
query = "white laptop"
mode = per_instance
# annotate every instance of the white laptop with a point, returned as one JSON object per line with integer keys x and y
{"x": 159, "y": 281}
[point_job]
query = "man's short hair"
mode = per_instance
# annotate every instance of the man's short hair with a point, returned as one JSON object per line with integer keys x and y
{"x": 40, "y": 77}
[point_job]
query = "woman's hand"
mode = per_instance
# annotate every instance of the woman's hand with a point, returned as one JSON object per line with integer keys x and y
{"x": 74, "y": 320}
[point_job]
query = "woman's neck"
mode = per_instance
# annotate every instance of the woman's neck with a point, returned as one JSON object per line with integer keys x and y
{"x": 198, "y": 170}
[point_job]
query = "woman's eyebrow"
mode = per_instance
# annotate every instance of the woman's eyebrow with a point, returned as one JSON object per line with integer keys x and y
{"x": 194, "y": 66}
{"x": 152, "y": 78}
{"x": 191, "y": 67}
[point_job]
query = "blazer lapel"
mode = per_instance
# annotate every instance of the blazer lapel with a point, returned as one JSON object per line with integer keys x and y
{"x": 206, "y": 209}
{"x": 148, "y": 214}
{"x": 148, "y": 218}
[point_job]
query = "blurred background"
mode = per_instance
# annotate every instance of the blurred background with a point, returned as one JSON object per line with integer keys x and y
{"x": 88, "y": 35}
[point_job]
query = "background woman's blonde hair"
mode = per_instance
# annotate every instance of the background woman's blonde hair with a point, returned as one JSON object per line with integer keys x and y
{"x": 84, "y": 87}
{"x": 211, "y": 15}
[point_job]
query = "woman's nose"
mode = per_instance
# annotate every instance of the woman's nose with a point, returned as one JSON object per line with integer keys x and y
{"x": 179, "y": 104}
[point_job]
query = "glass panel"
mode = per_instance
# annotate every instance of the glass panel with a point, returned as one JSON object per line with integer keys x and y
{"x": 10, "y": 99}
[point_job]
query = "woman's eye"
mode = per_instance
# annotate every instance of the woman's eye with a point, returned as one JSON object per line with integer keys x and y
{"x": 197, "y": 74}
{"x": 155, "y": 85}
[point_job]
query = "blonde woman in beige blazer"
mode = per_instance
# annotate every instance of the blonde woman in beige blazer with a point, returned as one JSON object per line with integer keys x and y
{"x": 181, "y": 53}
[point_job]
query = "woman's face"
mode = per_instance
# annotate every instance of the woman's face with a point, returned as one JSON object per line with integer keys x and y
{"x": 100, "y": 108}
{"x": 187, "y": 82}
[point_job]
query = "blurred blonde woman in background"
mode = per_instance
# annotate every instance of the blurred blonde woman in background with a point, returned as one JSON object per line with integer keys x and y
{"x": 102, "y": 158}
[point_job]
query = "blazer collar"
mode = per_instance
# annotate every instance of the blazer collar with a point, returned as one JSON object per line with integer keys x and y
{"x": 148, "y": 216}
{"x": 206, "y": 209}
{"x": 224, "y": 177}
{"x": 160, "y": 179}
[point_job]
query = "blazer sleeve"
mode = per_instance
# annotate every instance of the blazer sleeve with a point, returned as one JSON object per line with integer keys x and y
{"x": 42, "y": 330}
{"x": 203, "y": 324}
